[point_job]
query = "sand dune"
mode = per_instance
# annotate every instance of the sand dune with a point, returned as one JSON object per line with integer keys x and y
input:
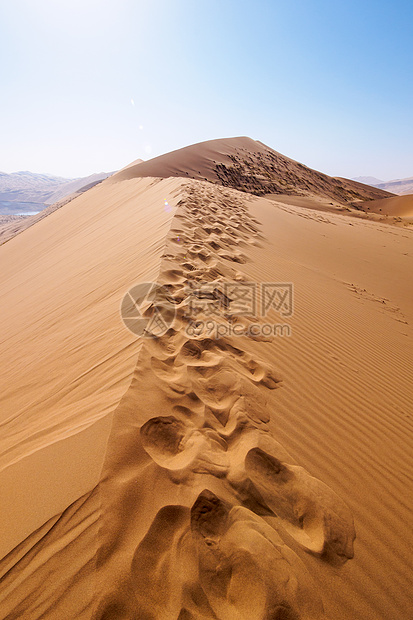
{"x": 398, "y": 206}
{"x": 10, "y": 226}
{"x": 249, "y": 165}
{"x": 216, "y": 466}
{"x": 61, "y": 302}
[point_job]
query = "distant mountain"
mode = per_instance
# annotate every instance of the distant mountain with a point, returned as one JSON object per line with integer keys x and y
{"x": 77, "y": 186}
{"x": 28, "y": 187}
{"x": 368, "y": 180}
{"x": 397, "y": 186}
{"x": 23, "y": 192}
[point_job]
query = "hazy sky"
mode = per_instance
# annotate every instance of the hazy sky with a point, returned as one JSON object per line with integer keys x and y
{"x": 90, "y": 85}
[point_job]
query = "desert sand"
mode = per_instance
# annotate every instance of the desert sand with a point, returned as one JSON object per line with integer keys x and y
{"x": 397, "y": 206}
{"x": 245, "y": 464}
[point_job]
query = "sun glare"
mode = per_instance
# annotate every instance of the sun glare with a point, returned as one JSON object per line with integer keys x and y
{"x": 75, "y": 15}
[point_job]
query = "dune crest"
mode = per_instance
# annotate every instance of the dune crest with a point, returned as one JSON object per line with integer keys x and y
{"x": 251, "y": 166}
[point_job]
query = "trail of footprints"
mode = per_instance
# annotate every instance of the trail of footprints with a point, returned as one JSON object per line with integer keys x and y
{"x": 233, "y": 564}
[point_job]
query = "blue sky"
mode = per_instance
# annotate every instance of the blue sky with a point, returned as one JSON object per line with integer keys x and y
{"x": 90, "y": 85}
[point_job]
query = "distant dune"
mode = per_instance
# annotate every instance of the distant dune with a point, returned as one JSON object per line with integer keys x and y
{"x": 251, "y": 166}
{"x": 398, "y": 206}
{"x": 232, "y": 443}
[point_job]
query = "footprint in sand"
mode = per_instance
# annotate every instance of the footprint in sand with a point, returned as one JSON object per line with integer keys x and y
{"x": 306, "y": 508}
{"x": 173, "y": 378}
{"x": 166, "y": 346}
{"x": 309, "y": 510}
{"x": 177, "y": 445}
{"x": 252, "y": 405}
{"x": 216, "y": 561}
{"x": 172, "y": 276}
{"x": 202, "y": 352}
{"x": 157, "y": 573}
{"x": 245, "y": 569}
{"x": 260, "y": 373}
{"x": 216, "y": 387}
{"x": 235, "y": 256}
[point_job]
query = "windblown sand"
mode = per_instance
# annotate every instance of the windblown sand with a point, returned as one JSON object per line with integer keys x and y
{"x": 398, "y": 206}
{"x": 189, "y": 476}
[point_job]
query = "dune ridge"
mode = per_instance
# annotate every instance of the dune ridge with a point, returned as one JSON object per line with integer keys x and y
{"x": 253, "y": 167}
